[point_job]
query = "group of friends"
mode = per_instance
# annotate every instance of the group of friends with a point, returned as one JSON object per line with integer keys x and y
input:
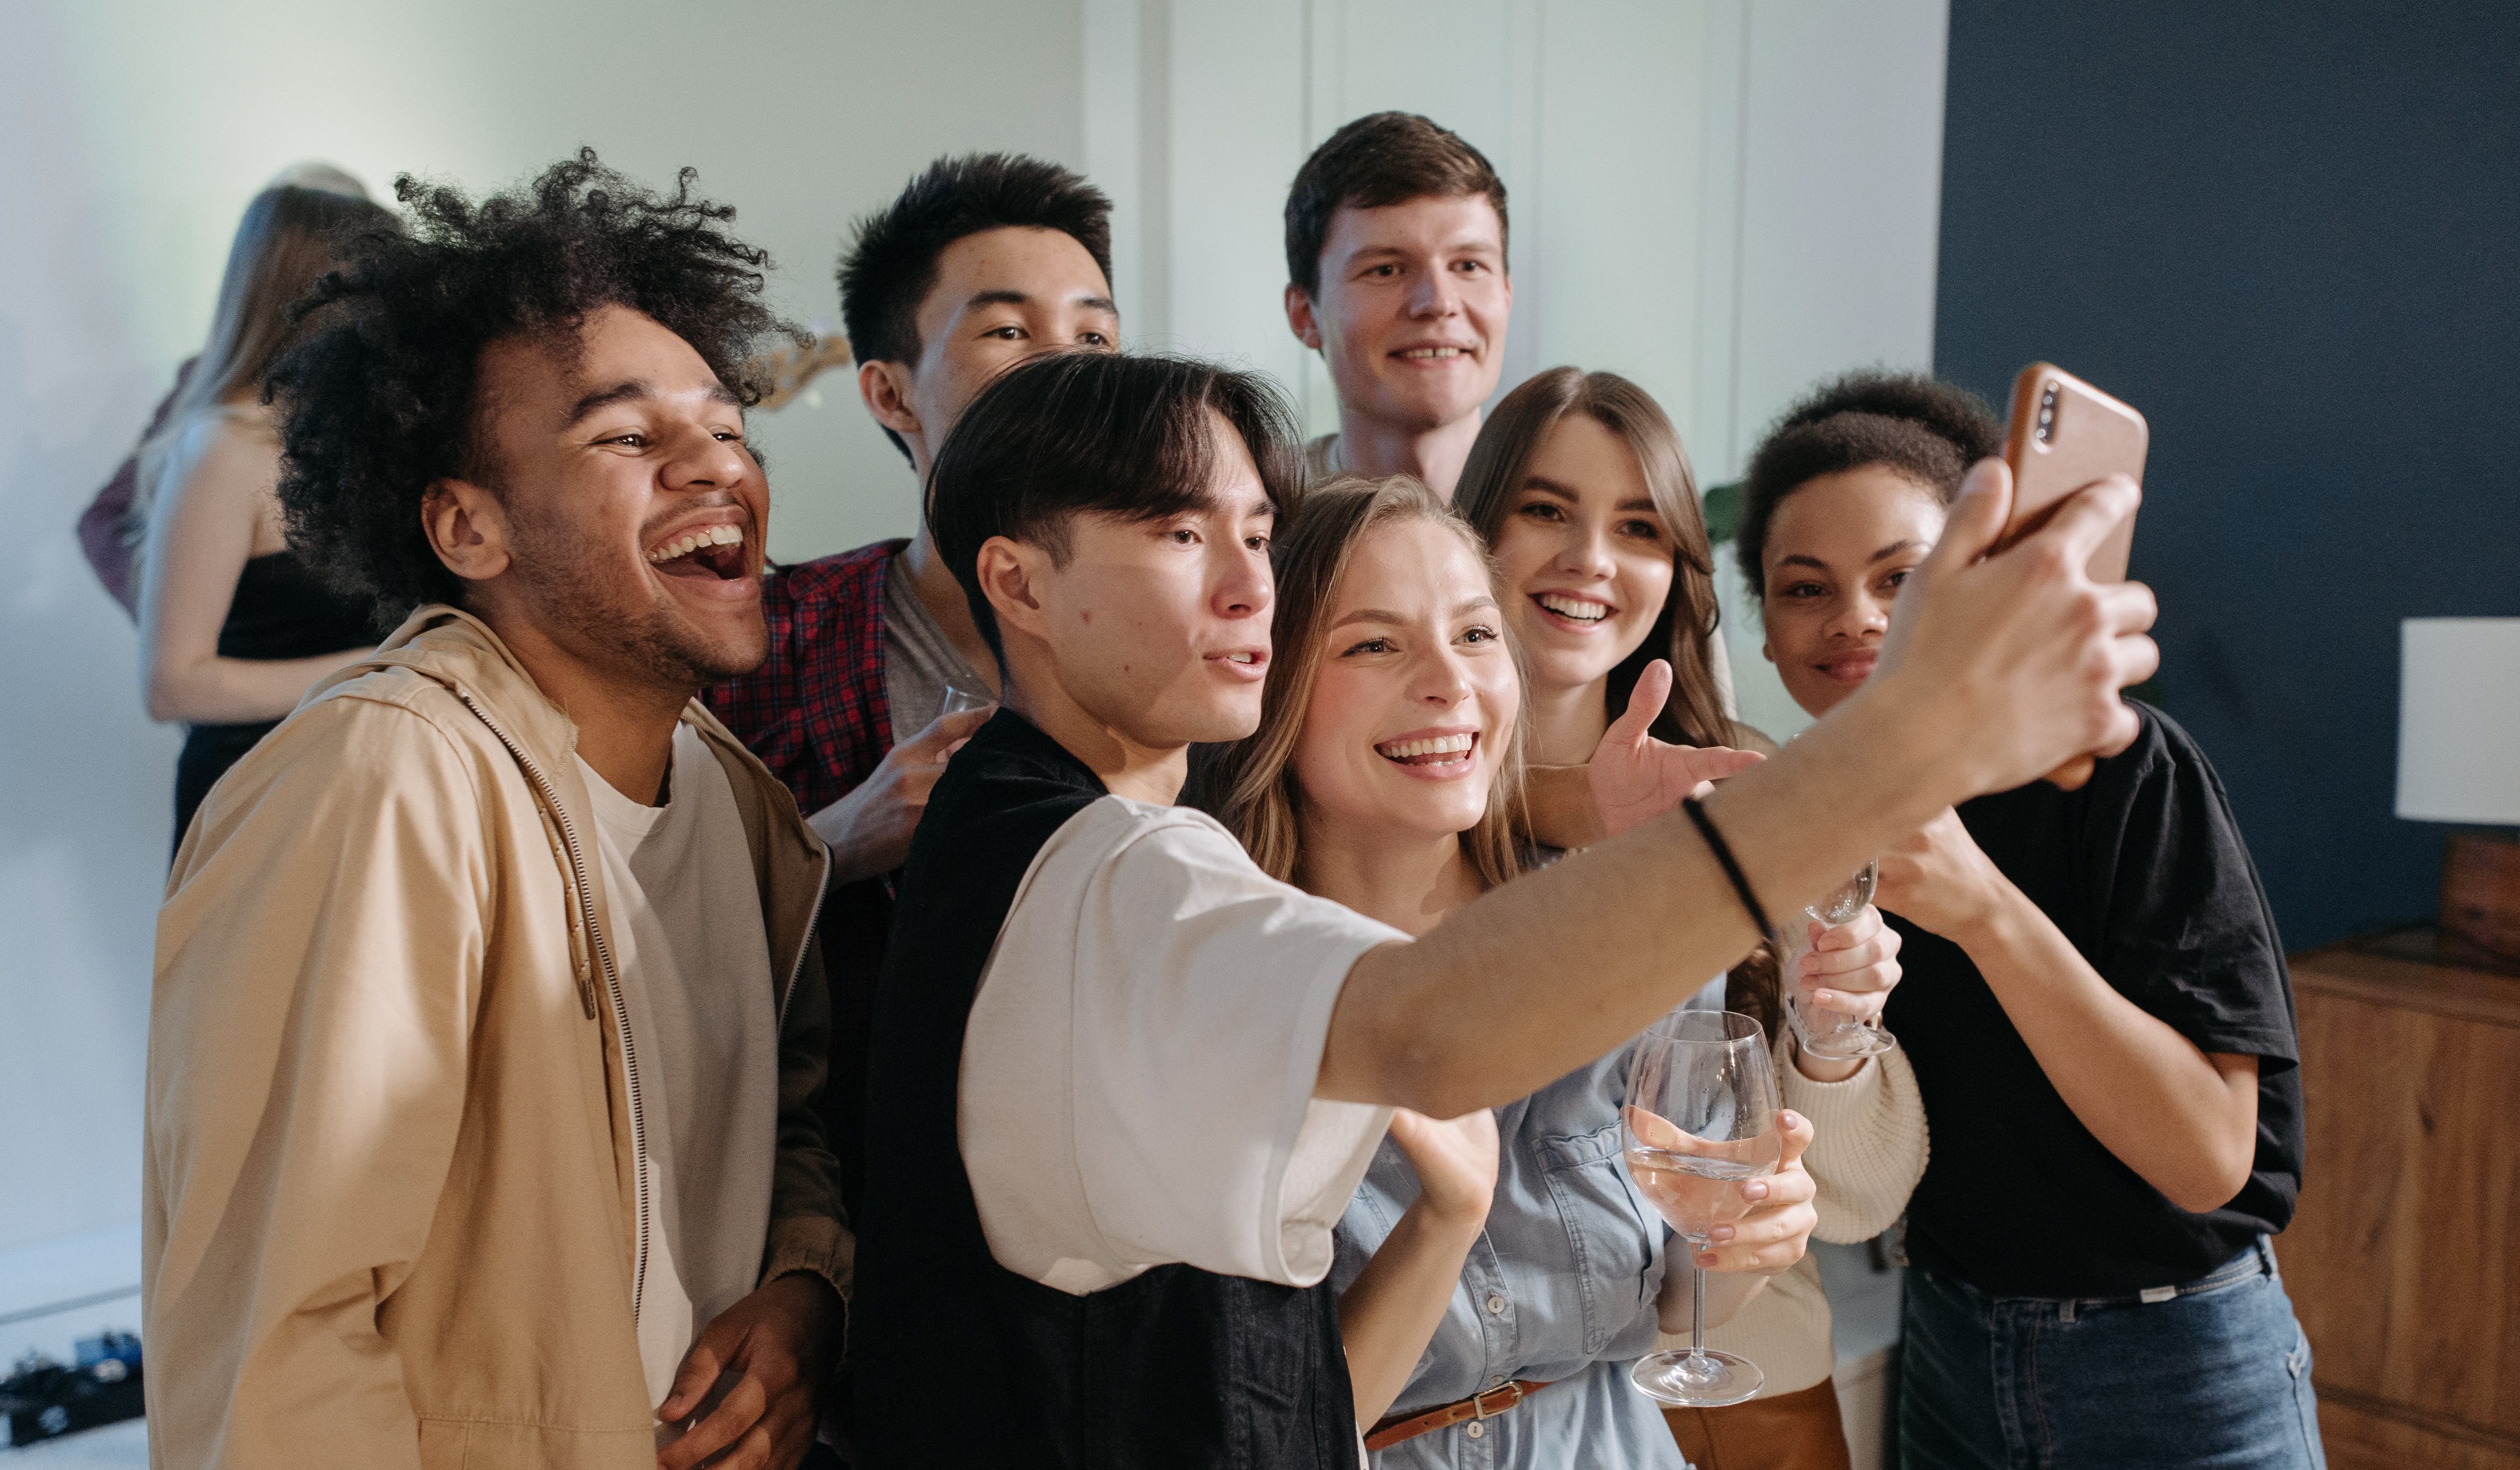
{"x": 629, "y": 1015}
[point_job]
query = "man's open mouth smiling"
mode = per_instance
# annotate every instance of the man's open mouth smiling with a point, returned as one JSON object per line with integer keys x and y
{"x": 714, "y": 551}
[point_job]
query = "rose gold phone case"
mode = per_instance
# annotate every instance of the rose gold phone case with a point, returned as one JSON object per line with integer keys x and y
{"x": 2066, "y": 434}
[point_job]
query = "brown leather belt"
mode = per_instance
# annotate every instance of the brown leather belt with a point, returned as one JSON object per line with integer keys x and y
{"x": 1496, "y": 1401}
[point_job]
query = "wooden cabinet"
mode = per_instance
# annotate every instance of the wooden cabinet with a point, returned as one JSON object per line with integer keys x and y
{"x": 2404, "y": 1259}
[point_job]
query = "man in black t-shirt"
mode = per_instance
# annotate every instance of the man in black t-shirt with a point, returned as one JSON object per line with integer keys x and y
{"x": 2095, "y": 1006}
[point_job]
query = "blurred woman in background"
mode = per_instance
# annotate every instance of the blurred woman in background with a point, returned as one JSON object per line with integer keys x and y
{"x": 233, "y": 627}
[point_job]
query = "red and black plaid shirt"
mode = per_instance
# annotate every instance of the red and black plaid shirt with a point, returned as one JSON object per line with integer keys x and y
{"x": 815, "y": 711}
{"x": 816, "y": 714}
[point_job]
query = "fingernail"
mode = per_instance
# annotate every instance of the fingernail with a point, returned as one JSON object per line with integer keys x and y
{"x": 1719, "y": 1235}
{"x": 1755, "y": 1190}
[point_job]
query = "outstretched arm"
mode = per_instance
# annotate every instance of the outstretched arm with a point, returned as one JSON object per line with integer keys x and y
{"x": 1995, "y": 671}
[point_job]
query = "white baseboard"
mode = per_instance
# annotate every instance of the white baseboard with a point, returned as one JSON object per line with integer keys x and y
{"x": 61, "y": 1290}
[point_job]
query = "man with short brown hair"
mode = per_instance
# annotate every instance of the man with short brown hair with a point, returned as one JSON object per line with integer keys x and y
{"x": 1396, "y": 275}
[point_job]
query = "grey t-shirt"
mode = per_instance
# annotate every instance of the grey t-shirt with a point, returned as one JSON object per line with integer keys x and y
{"x": 1321, "y": 460}
{"x": 918, "y": 659}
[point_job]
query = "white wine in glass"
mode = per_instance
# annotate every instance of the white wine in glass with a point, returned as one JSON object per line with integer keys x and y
{"x": 1700, "y": 1120}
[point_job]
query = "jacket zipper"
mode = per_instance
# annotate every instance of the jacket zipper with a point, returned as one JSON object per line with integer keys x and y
{"x": 611, "y": 980}
{"x": 822, "y": 889}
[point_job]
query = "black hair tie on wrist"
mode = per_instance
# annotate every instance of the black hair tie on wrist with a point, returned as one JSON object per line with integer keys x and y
{"x": 1731, "y": 868}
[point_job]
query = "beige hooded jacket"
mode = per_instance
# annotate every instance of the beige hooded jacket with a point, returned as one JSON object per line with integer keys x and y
{"x": 394, "y": 1211}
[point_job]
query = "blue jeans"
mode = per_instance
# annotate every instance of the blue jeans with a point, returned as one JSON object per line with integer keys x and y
{"x": 2216, "y": 1374}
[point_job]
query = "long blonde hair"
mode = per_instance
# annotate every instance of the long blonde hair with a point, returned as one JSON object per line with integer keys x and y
{"x": 1263, "y": 803}
{"x": 1694, "y": 714}
{"x": 288, "y": 238}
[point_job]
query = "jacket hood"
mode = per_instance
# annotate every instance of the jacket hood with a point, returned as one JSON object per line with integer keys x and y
{"x": 455, "y": 648}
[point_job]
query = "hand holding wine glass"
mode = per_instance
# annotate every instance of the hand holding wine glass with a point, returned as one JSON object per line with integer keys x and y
{"x": 1701, "y": 1119}
{"x": 1840, "y": 1027}
{"x": 1775, "y": 1230}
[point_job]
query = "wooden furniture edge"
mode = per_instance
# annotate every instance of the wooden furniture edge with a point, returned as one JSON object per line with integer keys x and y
{"x": 2350, "y": 972}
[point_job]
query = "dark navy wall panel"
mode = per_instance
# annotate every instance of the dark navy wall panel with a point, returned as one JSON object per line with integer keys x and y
{"x": 2290, "y": 234}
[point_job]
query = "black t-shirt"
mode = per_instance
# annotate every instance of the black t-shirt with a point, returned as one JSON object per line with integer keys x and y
{"x": 2145, "y": 870}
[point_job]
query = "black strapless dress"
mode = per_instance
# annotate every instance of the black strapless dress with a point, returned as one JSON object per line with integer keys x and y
{"x": 280, "y": 611}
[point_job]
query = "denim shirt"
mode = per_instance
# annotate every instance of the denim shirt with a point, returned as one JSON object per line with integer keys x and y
{"x": 1560, "y": 1289}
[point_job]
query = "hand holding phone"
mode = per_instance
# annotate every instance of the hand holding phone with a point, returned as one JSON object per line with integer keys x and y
{"x": 2065, "y": 435}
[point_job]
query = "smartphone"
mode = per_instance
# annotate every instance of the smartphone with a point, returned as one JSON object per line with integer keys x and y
{"x": 2066, "y": 434}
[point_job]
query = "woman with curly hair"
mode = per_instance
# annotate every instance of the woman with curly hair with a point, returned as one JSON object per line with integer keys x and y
{"x": 232, "y": 625}
{"x": 2097, "y": 1009}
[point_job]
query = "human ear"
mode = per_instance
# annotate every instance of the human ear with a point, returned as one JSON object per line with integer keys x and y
{"x": 1013, "y": 577}
{"x": 885, "y": 387}
{"x": 468, "y": 528}
{"x": 1300, "y": 318}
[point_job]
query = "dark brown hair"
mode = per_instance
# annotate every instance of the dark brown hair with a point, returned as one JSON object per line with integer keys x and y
{"x": 1383, "y": 158}
{"x": 1694, "y": 714}
{"x": 1070, "y": 433}
{"x": 1928, "y": 430}
{"x": 1263, "y": 802}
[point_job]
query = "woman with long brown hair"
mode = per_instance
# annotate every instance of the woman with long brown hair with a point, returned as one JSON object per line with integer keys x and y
{"x": 1583, "y": 493}
{"x": 1520, "y": 1281}
{"x": 233, "y": 626}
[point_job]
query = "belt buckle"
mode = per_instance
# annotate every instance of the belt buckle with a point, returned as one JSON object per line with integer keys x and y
{"x": 1479, "y": 1402}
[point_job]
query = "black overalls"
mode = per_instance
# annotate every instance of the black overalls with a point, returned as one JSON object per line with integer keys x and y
{"x": 962, "y": 1363}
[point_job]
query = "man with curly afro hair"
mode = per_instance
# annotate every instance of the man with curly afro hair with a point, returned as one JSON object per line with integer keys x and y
{"x": 479, "y": 1121}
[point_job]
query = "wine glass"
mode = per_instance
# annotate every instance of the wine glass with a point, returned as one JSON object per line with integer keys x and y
{"x": 1700, "y": 1118}
{"x": 958, "y": 700}
{"x": 1819, "y": 1030}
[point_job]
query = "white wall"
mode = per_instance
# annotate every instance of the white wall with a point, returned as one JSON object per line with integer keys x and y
{"x": 131, "y": 134}
{"x": 1724, "y": 200}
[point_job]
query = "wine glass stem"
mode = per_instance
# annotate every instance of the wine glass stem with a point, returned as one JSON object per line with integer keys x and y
{"x": 1697, "y": 1315}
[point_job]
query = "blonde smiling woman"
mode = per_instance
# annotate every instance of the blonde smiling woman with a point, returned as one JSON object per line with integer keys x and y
{"x": 1385, "y": 774}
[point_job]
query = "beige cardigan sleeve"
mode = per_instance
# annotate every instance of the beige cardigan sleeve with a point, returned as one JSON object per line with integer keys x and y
{"x": 318, "y": 969}
{"x": 1868, "y": 1144}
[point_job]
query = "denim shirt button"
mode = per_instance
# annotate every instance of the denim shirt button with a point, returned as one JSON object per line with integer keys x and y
{"x": 1476, "y": 1430}
{"x": 1495, "y": 1304}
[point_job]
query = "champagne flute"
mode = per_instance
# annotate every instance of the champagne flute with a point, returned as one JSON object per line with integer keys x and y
{"x": 958, "y": 700}
{"x": 1819, "y": 1030}
{"x": 1701, "y": 1119}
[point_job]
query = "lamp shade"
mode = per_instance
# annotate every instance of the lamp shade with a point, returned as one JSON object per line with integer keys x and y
{"x": 2458, "y": 721}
